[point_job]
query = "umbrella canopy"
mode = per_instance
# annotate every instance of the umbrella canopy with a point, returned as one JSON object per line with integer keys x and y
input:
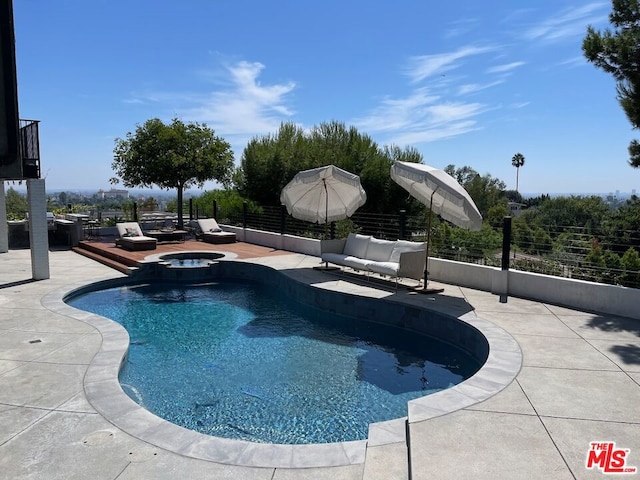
{"x": 439, "y": 191}
{"x": 323, "y": 195}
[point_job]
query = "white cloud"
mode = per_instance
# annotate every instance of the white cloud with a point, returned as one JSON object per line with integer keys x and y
{"x": 248, "y": 107}
{"x": 461, "y": 27}
{"x": 569, "y": 22}
{"x": 577, "y": 61}
{"x": 436, "y": 133}
{"x": 420, "y": 118}
{"x": 469, "y": 88}
{"x": 241, "y": 109}
{"x": 507, "y": 67}
{"x": 397, "y": 114}
{"x": 424, "y": 66}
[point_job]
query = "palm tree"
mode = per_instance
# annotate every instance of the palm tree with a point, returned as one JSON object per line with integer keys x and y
{"x": 517, "y": 161}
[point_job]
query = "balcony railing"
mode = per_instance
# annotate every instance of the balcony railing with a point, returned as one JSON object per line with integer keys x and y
{"x": 30, "y": 148}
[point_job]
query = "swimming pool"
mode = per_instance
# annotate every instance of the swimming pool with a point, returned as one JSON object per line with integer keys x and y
{"x": 243, "y": 361}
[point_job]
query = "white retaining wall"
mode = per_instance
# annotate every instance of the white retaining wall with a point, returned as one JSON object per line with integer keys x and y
{"x": 578, "y": 294}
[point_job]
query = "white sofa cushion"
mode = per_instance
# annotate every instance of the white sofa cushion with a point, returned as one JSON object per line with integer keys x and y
{"x": 336, "y": 258}
{"x": 405, "y": 246}
{"x": 356, "y": 263}
{"x": 356, "y": 245}
{"x": 346, "y": 260}
{"x": 379, "y": 250}
{"x": 385, "y": 268}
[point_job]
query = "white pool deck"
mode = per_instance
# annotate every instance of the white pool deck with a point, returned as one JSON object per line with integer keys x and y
{"x": 579, "y": 383}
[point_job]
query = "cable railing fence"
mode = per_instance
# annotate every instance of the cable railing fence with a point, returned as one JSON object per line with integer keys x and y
{"x": 566, "y": 251}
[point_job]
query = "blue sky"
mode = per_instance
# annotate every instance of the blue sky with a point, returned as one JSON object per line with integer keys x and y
{"x": 466, "y": 83}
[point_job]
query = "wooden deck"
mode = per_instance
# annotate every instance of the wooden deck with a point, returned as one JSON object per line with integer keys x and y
{"x": 106, "y": 251}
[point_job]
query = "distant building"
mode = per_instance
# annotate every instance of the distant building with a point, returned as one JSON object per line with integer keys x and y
{"x": 515, "y": 208}
{"x": 113, "y": 193}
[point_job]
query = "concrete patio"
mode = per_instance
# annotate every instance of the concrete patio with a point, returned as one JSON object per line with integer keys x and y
{"x": 579, "y": 383}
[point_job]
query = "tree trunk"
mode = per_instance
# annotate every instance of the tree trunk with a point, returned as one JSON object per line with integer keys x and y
{"x": 180, "y": 222}
{"x": 517, "y": 174}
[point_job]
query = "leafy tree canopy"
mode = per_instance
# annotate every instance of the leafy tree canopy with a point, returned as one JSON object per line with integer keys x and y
{"x": 176, "y": 155}
{"x": 618, "y": 52}
{"x": 485, "y": 190}
{"x": 16, "y": 205}
{"x": 268, "y": 163}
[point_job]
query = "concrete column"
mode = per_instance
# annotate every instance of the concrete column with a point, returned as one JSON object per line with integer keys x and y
{"x": 4, "y": 226}
{"x": 38, "y": 233}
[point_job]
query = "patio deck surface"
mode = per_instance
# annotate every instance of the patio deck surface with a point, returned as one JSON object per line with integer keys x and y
{"x": 579, "y": 383}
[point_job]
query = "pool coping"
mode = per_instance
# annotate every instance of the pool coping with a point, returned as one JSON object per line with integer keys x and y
{"x": 105, "y": 394}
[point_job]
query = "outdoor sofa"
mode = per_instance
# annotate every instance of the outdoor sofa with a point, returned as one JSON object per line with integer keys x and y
{"x": 396, "y": 259}
{"x": 132, "y": 238}
{"x": 212, "y": 233}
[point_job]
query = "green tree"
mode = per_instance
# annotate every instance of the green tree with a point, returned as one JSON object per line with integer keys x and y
{"x": 268, "y": 163}
{"x": 617, "y": 52}
{"x": 176, "y": 155}
{"x": 496, "y": 214}
{"x": 542, "y": 242}
{"x": 229, "y": 203}
{"x": 517, "y": 161}
{"x": 149, "y": 204}
{"x": 16, "y": 205}
{"x": 559, "y": 214}
{"x": 631, "y": 264}
{"x": 485, "y": 190}
{"x": 622, "y": 227}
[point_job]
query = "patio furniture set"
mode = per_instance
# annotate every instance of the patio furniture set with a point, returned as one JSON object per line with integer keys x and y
{"x": 132, "y": 237}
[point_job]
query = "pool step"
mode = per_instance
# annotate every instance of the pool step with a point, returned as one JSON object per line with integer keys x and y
{"x": 387, "y": 454}
{"x": 109, "y": 262}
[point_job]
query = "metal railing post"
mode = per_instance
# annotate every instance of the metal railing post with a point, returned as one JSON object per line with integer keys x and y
{"x": 215, "y": 209}
{"x": 283, "y": 219}
{"x": 244, "y": 214}
{"x": 402, "y": 224}
{"x": 191, "y": 209}
{"x": 506, "y": 242}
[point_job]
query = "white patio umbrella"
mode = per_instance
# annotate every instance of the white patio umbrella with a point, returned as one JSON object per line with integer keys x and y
{"x": 323, "y": 195}
{"x": 442, "y": 194}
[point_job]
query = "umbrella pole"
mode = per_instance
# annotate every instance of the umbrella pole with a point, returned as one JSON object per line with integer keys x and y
{"x": 424, "y": 288}
{"x": 326, "y": 226}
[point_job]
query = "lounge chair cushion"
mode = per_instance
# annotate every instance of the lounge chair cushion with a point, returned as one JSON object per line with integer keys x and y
{"x": 129, "y": 229}
{"x": 212, "y": 233}
{"x": 131, "y": 237}
{"x": 209, "y": 225}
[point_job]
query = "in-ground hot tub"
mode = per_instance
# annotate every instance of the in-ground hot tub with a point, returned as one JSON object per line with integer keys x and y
{"x": 189, "y": 266}
{"x": 191, "y": 259}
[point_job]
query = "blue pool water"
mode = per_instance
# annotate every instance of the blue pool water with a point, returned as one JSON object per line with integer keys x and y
{"x": 238, "y": 360}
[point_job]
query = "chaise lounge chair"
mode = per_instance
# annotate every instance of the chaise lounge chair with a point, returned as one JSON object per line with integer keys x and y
{"x": 132, "y": 238}
{"x": 212, "y": 233}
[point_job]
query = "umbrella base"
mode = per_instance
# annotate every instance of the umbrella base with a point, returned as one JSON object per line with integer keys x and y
{"x": 326, "y": 268}
{"x": 428, "y": 290}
